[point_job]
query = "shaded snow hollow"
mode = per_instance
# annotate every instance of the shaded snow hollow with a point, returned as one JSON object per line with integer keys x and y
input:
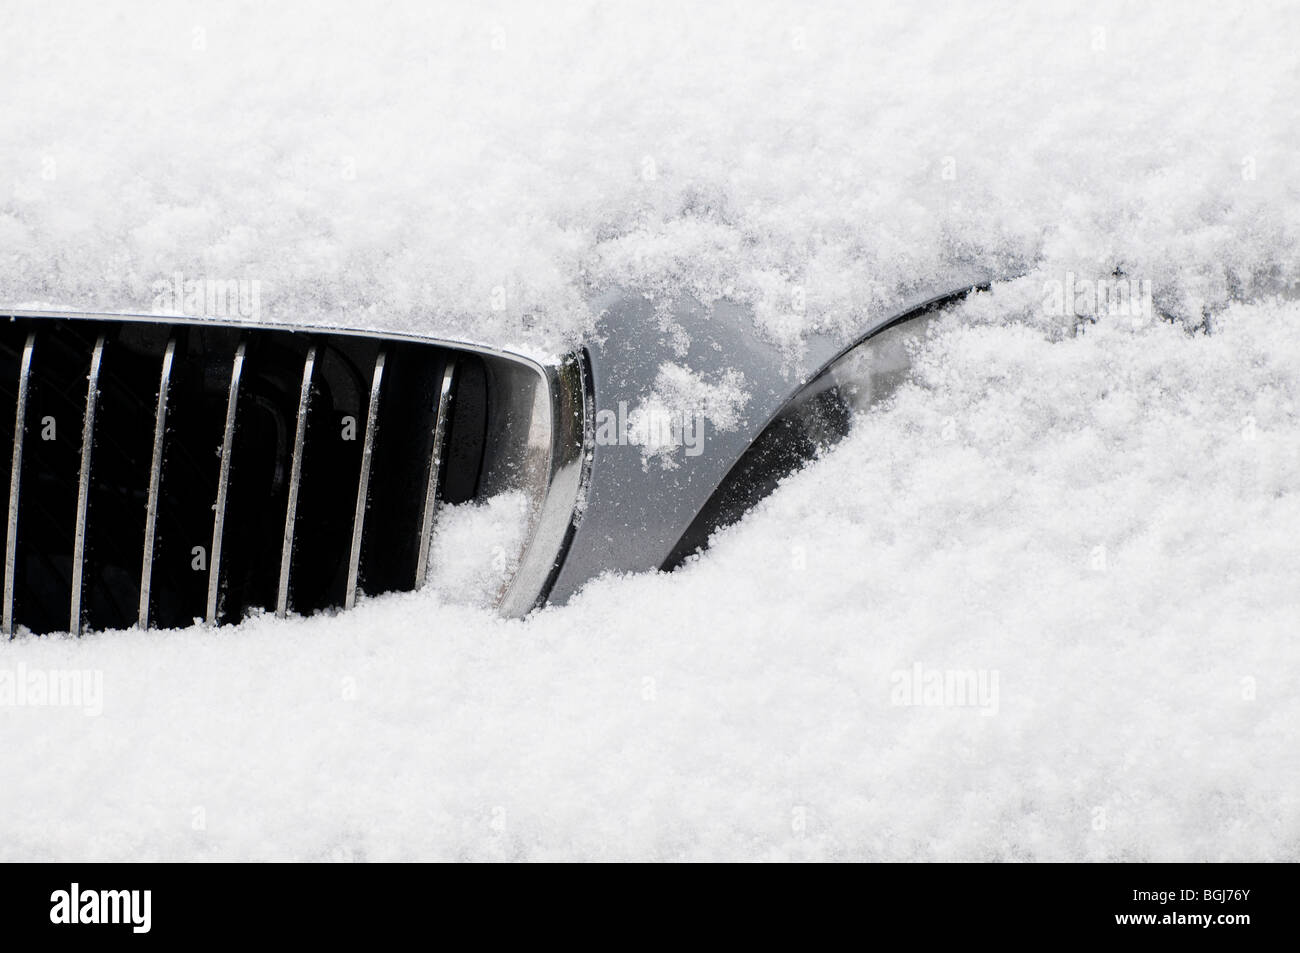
{"x": 1099, "y": 529}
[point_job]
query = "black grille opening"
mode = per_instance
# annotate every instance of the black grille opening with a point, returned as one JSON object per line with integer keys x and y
{"x": 119, "y": 475}
{"x": 355, "y": 522}
{"x": 326, "y": 508}
{"x": 467, "y": 429}
{"x": 51, "y": 461}
{"x": 195, "y": 416}
{"x": 403, "y": 456}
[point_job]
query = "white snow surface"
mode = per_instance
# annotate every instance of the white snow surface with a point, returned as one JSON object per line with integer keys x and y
{"x": 1105, "y": 521}
{"x": 486, "y": 168}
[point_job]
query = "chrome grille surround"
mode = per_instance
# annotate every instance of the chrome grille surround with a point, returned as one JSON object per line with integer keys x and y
{"x": 536, "y": 435}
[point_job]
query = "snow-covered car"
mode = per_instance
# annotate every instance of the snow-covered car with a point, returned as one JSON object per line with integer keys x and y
{"x": 166, "y": 469}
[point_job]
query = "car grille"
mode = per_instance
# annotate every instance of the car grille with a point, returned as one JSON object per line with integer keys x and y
{"x": 164, "y": 472}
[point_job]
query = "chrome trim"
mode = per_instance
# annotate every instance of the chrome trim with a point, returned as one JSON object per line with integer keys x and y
{"x": 155, "y": 481}
{"x": 15, "y": 476}
{"x": 435, "y": 474}
{"x": 562, "y": 490}
{"x": 536, "y": 361}
{"x": 295, "y": 477}
{"x": 83, "y": 486}
{"x": 363, "y": 483}
{"x": 223, "y": 485}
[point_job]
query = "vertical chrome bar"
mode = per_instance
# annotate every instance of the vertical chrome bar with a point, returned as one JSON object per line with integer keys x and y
{"x": 223, "y": 486}
{"x": 435, "y": 470}
{"x": 15, "y": 474}
{"x": 83, "y": 486}
{"x": 295, "y": 477}
{"x": 363, "y": 484}
{"x": 155, "y": 480}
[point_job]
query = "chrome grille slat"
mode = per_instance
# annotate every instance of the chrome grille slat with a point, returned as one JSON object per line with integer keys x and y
{"x": 155, "y": 481}
{"x": 223, "y": 486}
{"x": 363, "y": 484}
{"x": 295, "y": 477}
{"x": 435, "y": 470}
{"x": 83, "y": 485}
{"x": 15, "y": 477}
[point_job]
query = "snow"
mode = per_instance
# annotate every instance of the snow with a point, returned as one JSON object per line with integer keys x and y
{"x": 477, "y": 547}
{"x": 487, "y": 168}
{"x": 1095, "y": 521}
{"x": 677, "y": 409}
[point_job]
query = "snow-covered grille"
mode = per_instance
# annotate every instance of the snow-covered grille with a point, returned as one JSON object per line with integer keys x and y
{"x": 163, "y": 472}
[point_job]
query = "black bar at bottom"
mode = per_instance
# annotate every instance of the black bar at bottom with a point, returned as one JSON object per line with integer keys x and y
{"x": 916, "y": 906}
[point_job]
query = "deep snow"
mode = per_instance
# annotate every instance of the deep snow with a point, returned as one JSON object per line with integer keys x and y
{"x": 1105, "y": 522}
